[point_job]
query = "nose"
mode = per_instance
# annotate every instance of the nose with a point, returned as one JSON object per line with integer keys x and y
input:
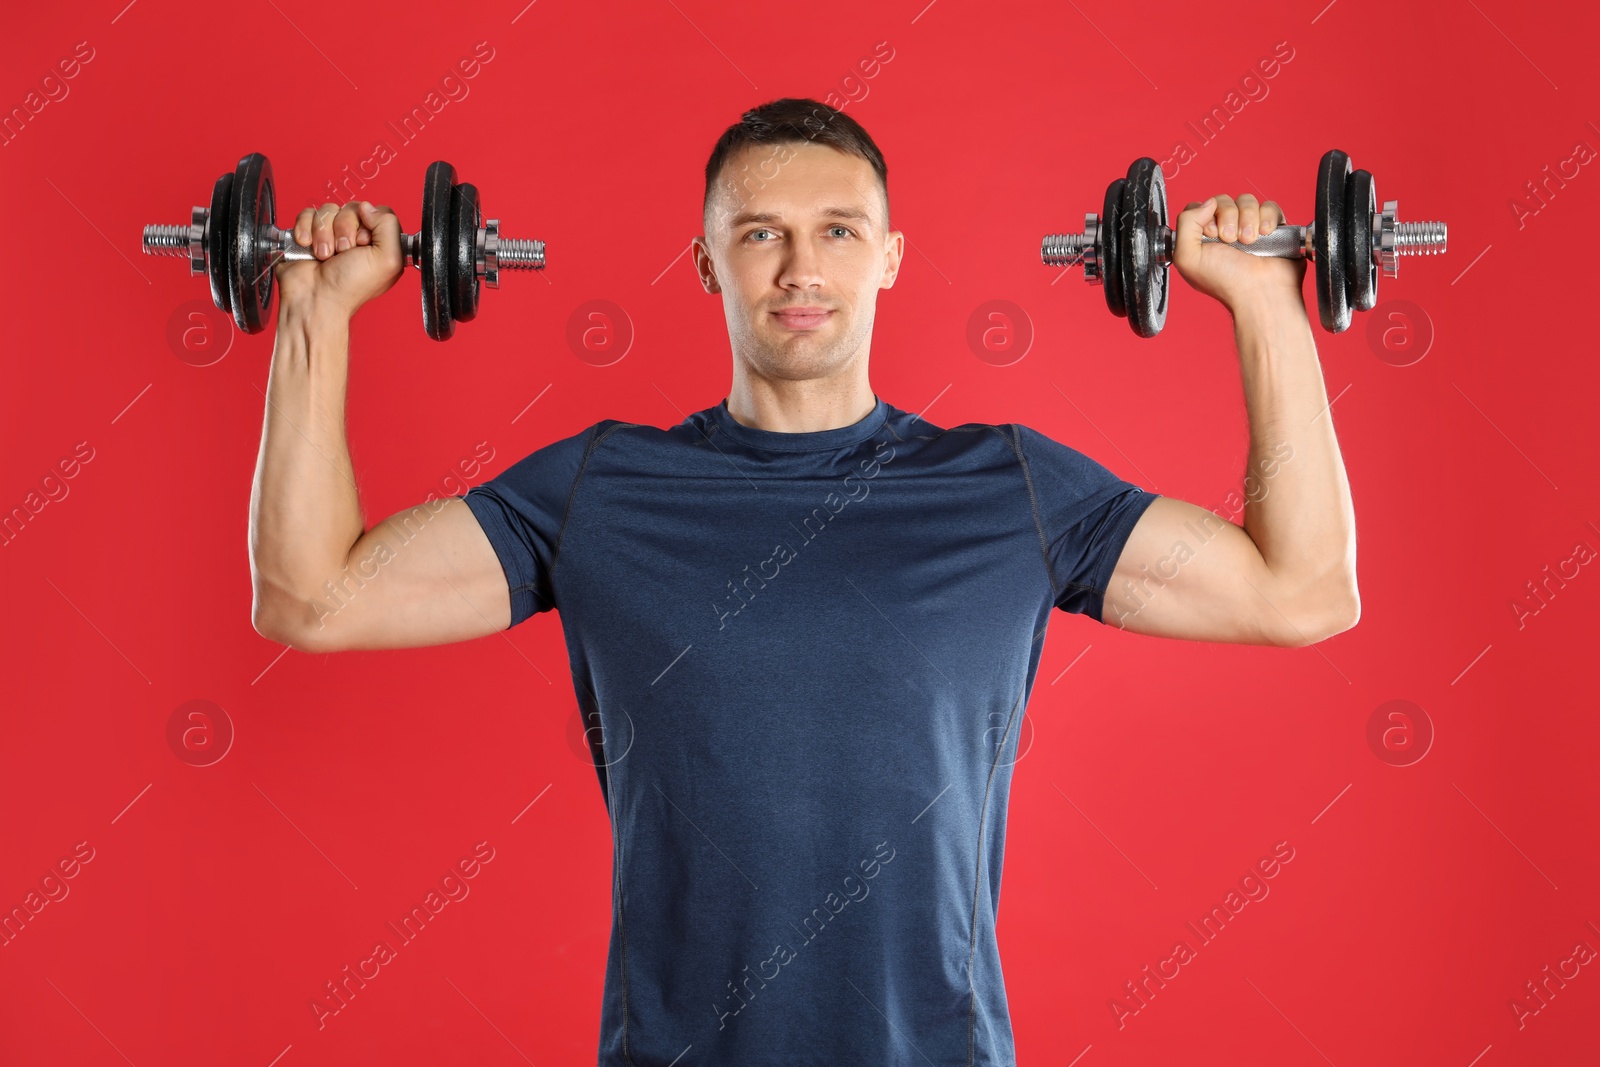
{"x": 802, "y": 268}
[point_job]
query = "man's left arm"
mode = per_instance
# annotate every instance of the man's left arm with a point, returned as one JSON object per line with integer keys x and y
{"x": 1287, "y": 576}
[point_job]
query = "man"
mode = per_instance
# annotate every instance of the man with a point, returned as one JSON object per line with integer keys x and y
{"x": 805, "y": 621}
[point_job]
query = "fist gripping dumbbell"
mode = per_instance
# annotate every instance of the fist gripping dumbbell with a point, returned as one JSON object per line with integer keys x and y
{"x": 1127, "y": 248}
{"x": 236, "y": 243}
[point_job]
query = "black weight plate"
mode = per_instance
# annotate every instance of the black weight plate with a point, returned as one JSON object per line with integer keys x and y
{"x": 465, "y": 217}
{"x": 1360, "y": 203}
{"x": 435, "y": 246}
{"x": 217, "y": 231}
{"x": 250, "y": 212}
{"x": 1330, "y": 241}
{"x": 1111, "y": 248}
{"x": 1143, "y": 227}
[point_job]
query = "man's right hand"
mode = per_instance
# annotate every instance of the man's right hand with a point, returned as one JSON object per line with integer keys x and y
{"x": 372, "y": 261}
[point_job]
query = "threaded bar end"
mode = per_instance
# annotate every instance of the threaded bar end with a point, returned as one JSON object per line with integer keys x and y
{"x": 1064, "y": 249}
{"x": 520, "y": 254}
{"x": 167, "y": 241}
{"x": 1420, "y": 238}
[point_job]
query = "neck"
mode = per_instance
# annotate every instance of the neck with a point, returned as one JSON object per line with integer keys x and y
{"x": 787, "y": 406}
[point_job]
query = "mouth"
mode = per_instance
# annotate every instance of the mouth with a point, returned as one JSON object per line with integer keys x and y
{"x": 805, "y": 318}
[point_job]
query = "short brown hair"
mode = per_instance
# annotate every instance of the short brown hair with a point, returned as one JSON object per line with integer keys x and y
{"x": 796, "y": 120}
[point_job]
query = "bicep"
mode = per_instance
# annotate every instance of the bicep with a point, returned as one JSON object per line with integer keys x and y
{"x": 1185, "y": 572}
{"x": 424, "y": 576}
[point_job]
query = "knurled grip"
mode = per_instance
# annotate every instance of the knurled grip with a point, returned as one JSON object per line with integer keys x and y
{"x": 1284, "y": 242}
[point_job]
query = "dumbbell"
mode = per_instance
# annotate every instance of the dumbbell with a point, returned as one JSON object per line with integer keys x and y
{"x": 236, "y": 243}
{"x": 1127, "y": 247}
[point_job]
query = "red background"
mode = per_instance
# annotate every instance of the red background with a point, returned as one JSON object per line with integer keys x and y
{"x": 221, "y": 898}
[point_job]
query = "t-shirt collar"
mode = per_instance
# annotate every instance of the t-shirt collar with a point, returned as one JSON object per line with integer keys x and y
{"x": 778, "y": 441}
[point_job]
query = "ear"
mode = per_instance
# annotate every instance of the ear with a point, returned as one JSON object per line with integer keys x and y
{"x": 704, "y": 266}
{"x": 894, "y": 249}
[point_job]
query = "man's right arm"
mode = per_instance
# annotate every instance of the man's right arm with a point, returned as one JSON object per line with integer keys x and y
{"x": 424, "y": 576}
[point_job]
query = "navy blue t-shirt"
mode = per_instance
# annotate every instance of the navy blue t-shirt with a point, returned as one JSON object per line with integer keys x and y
{"x": 804, "y": 659}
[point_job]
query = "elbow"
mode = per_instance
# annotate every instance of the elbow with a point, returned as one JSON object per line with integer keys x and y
{"x": 1352, "y": 614}
{"x": 285, "y": 620}
{"x": 1339, "y": 612}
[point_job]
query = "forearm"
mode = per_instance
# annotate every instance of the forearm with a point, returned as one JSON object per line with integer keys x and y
{"x": 1298, "y": 509}
{"x": 304, "y": 511}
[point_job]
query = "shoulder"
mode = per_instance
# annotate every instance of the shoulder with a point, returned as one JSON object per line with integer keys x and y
{"x": 557, "y": 464}
{"x": 1061, "y": 473}
{"x": 980, "y": 442}
{"x": 577, "y": 447}
{"x": 1039, "y": 447}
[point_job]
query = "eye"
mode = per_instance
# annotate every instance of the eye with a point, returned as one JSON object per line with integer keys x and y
{"x": 846, "y": 229}
{"x": 752, "y": 233}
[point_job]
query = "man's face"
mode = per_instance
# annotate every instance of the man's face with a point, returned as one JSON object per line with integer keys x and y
{"x": 795, "y": 226}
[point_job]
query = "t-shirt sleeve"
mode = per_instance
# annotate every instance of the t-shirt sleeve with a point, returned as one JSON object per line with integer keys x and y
{"x": 1085, "y": 514}
{"x": 523, "y": 511}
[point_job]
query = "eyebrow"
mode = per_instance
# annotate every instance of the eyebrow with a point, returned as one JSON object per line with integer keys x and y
{"x": 746, "y": 217}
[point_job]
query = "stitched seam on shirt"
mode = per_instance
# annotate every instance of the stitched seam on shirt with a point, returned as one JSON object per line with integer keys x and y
{"x": 622, "y": 926}
{"x": 953, "y": 429}
{"x": 616, "y": 880}
{"x": 611, "y": 793}
{"x": 572, "y": 494}
{"x": 1044, "y": 544}
{"x": 1015, "y": 440}
{"x": 977, "y": 886}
